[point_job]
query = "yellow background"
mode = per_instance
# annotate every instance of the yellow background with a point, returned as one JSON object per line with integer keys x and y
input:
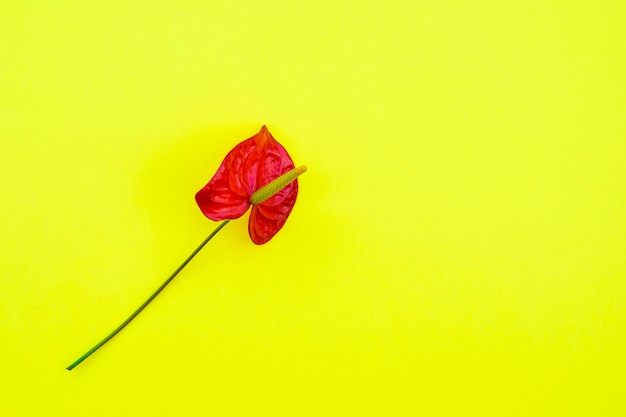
{"x": 458, "y": 246}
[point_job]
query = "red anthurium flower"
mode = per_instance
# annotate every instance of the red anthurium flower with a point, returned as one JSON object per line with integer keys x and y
{"x": 247, "y": 169}
{"x": 259, "y": 173}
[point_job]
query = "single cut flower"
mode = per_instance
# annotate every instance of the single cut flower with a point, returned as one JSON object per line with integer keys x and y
{"x": 259, "y": 173}
{"x": 244, "y": 179}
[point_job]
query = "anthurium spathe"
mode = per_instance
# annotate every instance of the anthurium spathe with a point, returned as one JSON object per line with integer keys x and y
{"x": 248, "y": 167}
{"x": 258, "y": 172}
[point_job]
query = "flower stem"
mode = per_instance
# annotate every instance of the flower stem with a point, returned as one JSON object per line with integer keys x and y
{"x": 152, "y": 297}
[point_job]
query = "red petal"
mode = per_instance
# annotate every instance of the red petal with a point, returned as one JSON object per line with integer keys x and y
{"x": 250, "y": 165}
{"x": 267, "y": 218}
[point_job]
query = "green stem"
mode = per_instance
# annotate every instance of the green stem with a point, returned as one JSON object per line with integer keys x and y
{"x": 145, "y": 303}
